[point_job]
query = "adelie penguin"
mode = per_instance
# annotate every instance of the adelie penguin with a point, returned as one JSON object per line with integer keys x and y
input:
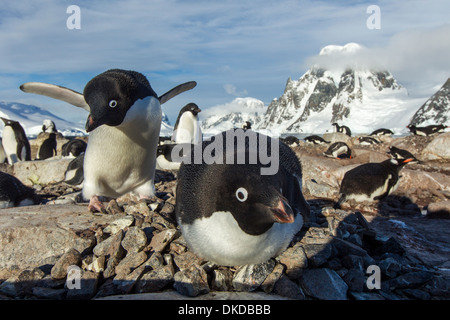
{"x": 187, "y": 127}
{"x": 164, "y": 160}
{"x": 48, "y": 147}
{"x": 316, "y": 139}
{"x": 73, "y": 148}
{"x": 15, "y": 142}
{"x": 231, "y": 213}
{"x": 338, "y": 150}
{"x": 123, "y": 124}
{"x": 342, "y": 129}
{"x": 371, "y": 181}
{"x": 426, "y": 131}
{"x": 13, "y": 193}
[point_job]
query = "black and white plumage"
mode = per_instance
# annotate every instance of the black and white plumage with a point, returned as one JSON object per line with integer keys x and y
{"x": 49, "y": 126}
{"x": 73, "y": 148}
{"x": 187, "y": 127}
{"x": 124, "y": 123}
{"x": 169, "y": 159}
{"x": 366, "y": 141}
{"x": 371, "y": 181}
{"x": 426, "y": 131}
{"x": 247, "y": 125}
{"x": 316, "y": 139}
{"x": 15, "y": 142}
{"x": 342, "y": 129}
{"x": 401, "y": 155}
{"x": 338, "y": 150}
{"x": 291, "y": 141}
{"x": 74, "y": 173}
{"x": 382, "y": 132}
{"x": 13, "y": 193}
{"x": 47, "y": 149}
{"x": 232, "y": 214}
{"x": 3, "y": 157}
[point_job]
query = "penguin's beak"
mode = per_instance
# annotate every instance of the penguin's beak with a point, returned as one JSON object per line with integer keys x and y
{"x": 408, "y": 160}
{"x": 91, "y": 124}
{"x": 282, "y": 213}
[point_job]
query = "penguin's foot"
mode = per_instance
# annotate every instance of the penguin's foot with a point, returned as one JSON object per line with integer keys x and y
{"x": 95, "y": 205}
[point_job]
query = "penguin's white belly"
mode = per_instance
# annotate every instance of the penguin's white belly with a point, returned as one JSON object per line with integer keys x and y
{"x": 122, "y": 159}
{"x": 10, "y": 144}
{"x": 220, "y": 239}
{"x": 188, "y": 129}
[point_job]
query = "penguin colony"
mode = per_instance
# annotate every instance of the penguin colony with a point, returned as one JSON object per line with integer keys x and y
{"x": 230, "y": 214}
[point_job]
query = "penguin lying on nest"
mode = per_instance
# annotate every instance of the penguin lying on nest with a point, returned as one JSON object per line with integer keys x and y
{"x": 13, "y": 193}
{"x": 124, "y": 123}
{"x": 371, "y": 181}
{"x": 232, "y": 214}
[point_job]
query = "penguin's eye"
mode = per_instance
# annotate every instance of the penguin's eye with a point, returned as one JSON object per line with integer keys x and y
{"x": 113, "y": 103}
{"x": 241, "y": 194}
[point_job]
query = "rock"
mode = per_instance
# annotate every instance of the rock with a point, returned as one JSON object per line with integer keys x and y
{"x": 112, "y": 249}
{"x": 287, "y": 288}
{"x": 41, "y": 172}
{"x": 390, "y": 246}
{"x": 345, "y": 248}
{"x": 88, "y": 286}
{"x": 21, "y": 283}
{"x": 390, "y": 267}
{"x": 119, "y": 224}
{"x": 410, "y": 279}
{"x": 35, "y": 235}
{"x": 439, "y": 209}
{"x": 192, "y": 281}
{"x": 366, "y": 296}
{"x": 222, "y": 280}
{"x": 113, "y": 207}
{"x": 162, "y": 239}
{"x": 186, "y": 259}
{"x": 135, "y": 240}
{"x": 324, "y": 284}
{"x": 317, "y": 254}
{"x": 355, "y": 280}
{"x": 71, "y": 258}
{"x": 126, "y": 282}
{"x": 131, "y": 261}
{"x": 273, "y": 277}
{"x": 48, "y": 293}
{"x": 154, "y": 280}
{"x": 438, "y": 148}
{"x": 295, "y": 260}
{"x": 250, "y": 277}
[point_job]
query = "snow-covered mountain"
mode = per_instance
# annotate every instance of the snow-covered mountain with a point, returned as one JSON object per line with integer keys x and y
{"x": 31, "y": 118}
{"x": 232, "y": 115}
{"x": 435, "y": 110}
{"x": 362, "y": 98}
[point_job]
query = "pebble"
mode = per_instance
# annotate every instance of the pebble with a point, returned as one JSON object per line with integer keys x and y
{"x": 71, "y": 257}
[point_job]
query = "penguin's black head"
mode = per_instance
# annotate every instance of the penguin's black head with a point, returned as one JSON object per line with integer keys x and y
{"x": 255, "y": 201}
{"x": 8, "y": 122}
{"x": 111, "y": 94}
{"x": 191, "y": 107}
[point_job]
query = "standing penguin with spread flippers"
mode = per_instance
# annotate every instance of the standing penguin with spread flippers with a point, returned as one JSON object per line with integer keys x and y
{"x": 187, "y": 127}
{"x": 15, "y": 142}
{"x": 124, "y": 123}
{"x": 233, "y": 213}
{"x": 371, "y": 181}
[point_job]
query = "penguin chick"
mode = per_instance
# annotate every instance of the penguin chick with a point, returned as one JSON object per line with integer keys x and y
{"x": 123, "y": 124}
{"x": 15, "y": 142}
{"x": 187, "y": 127}
{"x": 338, "y": 150}
{"x": 231, "y": 214}
{"x": 13, "y": 193}
{"x": 371, "y": 181}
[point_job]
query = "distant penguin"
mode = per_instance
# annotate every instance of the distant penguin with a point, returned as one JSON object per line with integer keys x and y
{"x": 338, "y": 150}
{"x": 426, "y": 131}
{"x": 232, "y": 214}
{"x": 164, "y": 160}
{"x": 13, "y": 193}
{"x": 367, "y": 141}
{"x": 316, "y": 139}
{"x": 73, "y": 148}
{"x": 15, "y": 142}
{"x": 164, "y": 140}
{"x": 402, "y": 155}
{"x": 49, "y": 126}
{"x": 291, "y": 141}
{"x": 342, "y": 129}
{"x": 382, "y": 132}
{"x": 48, "y": 147}
{"x": 123, "y": 125}
{"x": 247, "y": 125}
{"x": 74, "y": 173}
{"x": 187, "y": 127}
{"x": 370, "y": 181}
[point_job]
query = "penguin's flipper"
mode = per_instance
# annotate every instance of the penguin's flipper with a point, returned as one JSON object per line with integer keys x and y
{"x": 56, "y": 92}
{"x": 176, "y": 91}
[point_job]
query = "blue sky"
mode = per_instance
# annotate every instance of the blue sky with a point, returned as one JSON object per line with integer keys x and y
{"x": 232, "y": 48}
